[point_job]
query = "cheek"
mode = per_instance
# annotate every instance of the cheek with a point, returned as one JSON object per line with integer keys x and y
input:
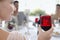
{"x": 6, "y": 15}
{"x": 13, "y": 8}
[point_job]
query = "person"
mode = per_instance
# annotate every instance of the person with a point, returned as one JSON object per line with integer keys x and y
{"x": 39, "y": 19}
{"x": 59, "y": 21}
{"x": 21, "y": 18}
{"x": 5, "y": 14}
{"x": 36, "y": 22}
{"x": 14, "y": 15}
{"x": 16, "y": 6}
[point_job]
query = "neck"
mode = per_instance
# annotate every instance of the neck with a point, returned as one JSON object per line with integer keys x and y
{"x": 3, "y": 34}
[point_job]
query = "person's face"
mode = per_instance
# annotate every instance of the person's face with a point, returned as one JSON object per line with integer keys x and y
{"x": 5, "y": 11}
{"x": 16, "y": 5}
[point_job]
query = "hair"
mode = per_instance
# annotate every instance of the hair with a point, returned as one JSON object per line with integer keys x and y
{"x": 16, "y": 2}
{"x": 58, "y": 5}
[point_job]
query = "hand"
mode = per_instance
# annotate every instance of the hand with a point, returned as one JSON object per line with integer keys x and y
{"x": 45, "y": 35}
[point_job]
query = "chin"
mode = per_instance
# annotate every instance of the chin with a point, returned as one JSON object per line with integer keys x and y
{"x": 6, "y": 19}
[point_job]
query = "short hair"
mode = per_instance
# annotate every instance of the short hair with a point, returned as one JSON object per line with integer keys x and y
{"x": 16, "y": 2}
{"x": 58, "y": 5}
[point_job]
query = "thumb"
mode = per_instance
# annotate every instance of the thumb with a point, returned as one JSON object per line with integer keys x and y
{"x": 50, "y": 31}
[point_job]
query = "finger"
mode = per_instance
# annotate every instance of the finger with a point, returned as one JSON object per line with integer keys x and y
{"x": 51, "y": 30}
{"x": 40, "y": 30}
